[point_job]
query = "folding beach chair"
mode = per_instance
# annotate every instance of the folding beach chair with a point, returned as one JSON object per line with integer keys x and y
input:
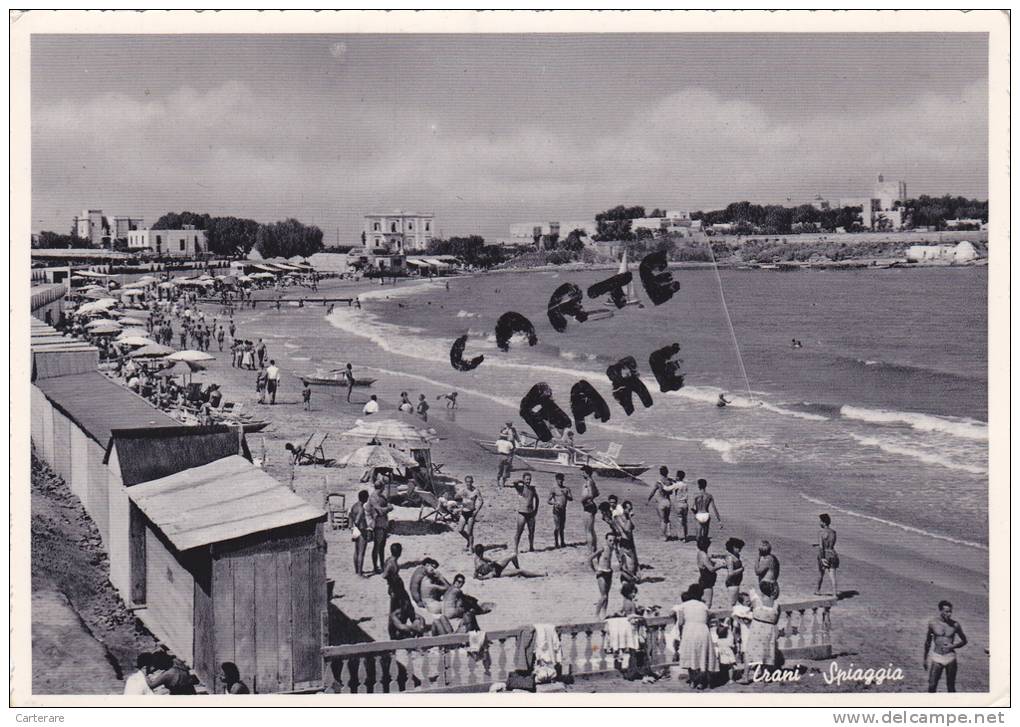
{"x": 311, "y": 453}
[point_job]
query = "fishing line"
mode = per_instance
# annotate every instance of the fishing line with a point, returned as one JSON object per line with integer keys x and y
{"x": 729, "y": 322}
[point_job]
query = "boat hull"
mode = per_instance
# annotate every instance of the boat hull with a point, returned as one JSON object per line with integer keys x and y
{"x": 338, "y": 383}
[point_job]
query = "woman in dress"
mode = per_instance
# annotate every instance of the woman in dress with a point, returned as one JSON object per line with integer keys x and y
{"x": 760, "y": 647}
{"x": 707, "y": 567}
{"x": 767, "y": 567}
{"x": 734, "y": 568}
{"x": 697, "y": 653}
{"x": 828, "y": 558}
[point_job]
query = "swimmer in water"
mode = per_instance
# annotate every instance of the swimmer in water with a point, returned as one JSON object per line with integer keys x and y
{"x": 723, "y": 401}
{"x": 794, "y": 343}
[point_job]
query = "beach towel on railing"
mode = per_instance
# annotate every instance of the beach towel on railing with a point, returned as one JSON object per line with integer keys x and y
{"x": 622, "y": 635}
{"x": 547, "y": 645}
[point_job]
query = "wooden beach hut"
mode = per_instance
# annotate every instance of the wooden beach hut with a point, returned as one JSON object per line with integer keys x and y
{"x": 232, "y": 568}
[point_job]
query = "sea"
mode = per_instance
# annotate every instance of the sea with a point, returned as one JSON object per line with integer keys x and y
{"x": 880, "y": 414}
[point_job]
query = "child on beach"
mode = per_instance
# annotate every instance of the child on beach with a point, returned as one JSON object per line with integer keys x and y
{"x": 423, "y": 408}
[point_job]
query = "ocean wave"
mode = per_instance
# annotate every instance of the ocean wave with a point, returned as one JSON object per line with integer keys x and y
{"x": 728, "y": 448}
{"x": 288, "y": 344}
{"x": 921, "y": 455}
{"x": 892, "y": 523}
{"x": 465, "y": 314}
{"x": 710, "y": 395}
{"x": 957, "y": 427}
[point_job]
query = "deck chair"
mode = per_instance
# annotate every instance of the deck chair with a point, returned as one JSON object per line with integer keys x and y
{"x": 435, "y": 511}
{"x": 336, "y": 507}
{"x": 611, "y": 453}
{"x": 311, "y": 453}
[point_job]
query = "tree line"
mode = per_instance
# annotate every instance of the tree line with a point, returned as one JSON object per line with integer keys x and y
{"x": 237, "y": 235}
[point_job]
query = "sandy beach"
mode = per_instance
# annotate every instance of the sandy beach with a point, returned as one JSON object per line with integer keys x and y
{"x": 891, "y": 578}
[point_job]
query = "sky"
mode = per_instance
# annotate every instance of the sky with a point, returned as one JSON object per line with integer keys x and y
{"x": 487, "y": 130}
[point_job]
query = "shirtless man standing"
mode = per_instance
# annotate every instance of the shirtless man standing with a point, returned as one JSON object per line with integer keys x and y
{"x": 602, "y": 564}
{"x": 589, "y": 493}
{"x": 527, "y": 510}
{"x": 660, "y": 493}
{"x": 702, "y": 502}
{"x": 558, "y": 498}
{"x": 944, "y": 637}
{"x": 470, "y": 500}
{"x": 680, "y": 502}
{"x": 628, "y": 548}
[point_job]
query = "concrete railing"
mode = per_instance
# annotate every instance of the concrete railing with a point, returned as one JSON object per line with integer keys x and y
{"x": 442, "y": 663}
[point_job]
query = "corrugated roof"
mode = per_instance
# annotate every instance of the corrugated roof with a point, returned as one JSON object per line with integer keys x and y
{"x": 98, "y": 405}
{"x": 220, "y": 501}
{"x": 149, "y": 454}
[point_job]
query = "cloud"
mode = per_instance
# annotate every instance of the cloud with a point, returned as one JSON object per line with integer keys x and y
{"x": 227, "y": 149}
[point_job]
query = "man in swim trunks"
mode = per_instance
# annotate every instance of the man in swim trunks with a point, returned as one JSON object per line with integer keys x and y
{"x": 681, "y": 505}
{"x": 457, "y": 604}
{"x": 379, "y": 508}
{"x": 660, "y": 493}
{"x": 470, "y": 501}
{"x": 486, "y": 568}
{"x": 558, "y": 498}
{"x": 431, "y": 589}
{"x": 527, "y": 511}
{"x": 589, "y": 493}
{"x": 944, "y": 637}
{"x": 601, "y": 562}
{"x": 428, "y": 570}
{"x": 627, "y": 548}
{"x": 702, "y": 502}
{"x": 391, "y": 569}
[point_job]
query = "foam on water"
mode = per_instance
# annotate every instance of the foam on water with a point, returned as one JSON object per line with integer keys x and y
{"x": 957, "y": 427}
{"x": 891, "y": 523}
{"x": 728, "y": 448}
{"x": 892, "y": 447}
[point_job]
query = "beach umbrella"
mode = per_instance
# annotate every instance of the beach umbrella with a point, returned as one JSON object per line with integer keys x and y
{"x": 135, "y": 340}
{"x": 131, "y": 293}
{"x": 134, "y": 331}
{"x": 167, "y": 284}
{"x": 377, "y": 455}
{"x": 105, "y": 328}
{"x": 192, "y": 356}
{"x": 97, "y": 294}
{"x": 178, "y": 369}
{"x": 127, "y": 320}
{"x": 390, "y": 430}
{"x": 103, "y": 323}
{"x": 154, "y": 350}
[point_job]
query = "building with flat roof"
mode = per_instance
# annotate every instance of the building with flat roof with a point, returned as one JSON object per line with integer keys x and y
{"x": 398, "y": 232}
{"x": 102, "y": 231}
{"x": 185, "y": 243}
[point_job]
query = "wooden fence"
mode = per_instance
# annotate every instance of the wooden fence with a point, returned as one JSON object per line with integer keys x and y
{"x": 442, "y": 663}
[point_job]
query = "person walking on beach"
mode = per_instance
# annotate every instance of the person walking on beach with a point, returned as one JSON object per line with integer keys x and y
{"x": 558, "y": 498}
{"x": 505, "y": 450}
{"x": 379, "y": 508}
{"x": 233, "y": 329}
{"x": 527, "y": 511}
{"x": 349, "y": 374}
{"x": 272, "y": 380}
{"x": 660, "y": 493}
{"x": 219, "y": 338}
{"x": 470, "y": 502}
{"x": 423, "y": 408}
{"x": 601, "y": 563}
{"x": 260, "y": 350}
{"x": 360, "y": 531}
{"x": 261, "y": 382}
{"x": 371, "y": 406}
{"x": 767, "y": 567}
{"x": 681, "y": 504}
{"x": 703, "y": 501}
{"x": 589, "y": 494}
{"x": 945, "y": 635}
{"x": 828, "y": 558}
{"x": 306, "y": 395}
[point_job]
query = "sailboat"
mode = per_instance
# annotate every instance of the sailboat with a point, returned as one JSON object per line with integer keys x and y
{"x": 630, "y": 293}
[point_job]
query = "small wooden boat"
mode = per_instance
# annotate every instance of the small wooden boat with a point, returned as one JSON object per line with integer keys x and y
{"x": 558, "y": 454}
{"x": 332, "y": 378}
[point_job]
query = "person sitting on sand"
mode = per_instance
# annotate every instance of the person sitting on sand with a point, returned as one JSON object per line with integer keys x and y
{"x": 404, "y": 622}
{"x": 451, "y": 399}
{"x": 457, "y": 604}
{"x": 486, "y": 568}
{"x": 428, "y": 570}
{"x": 371, "y": 406}
{"x": 230, "y": 676}
{"x": 828, "y": 558}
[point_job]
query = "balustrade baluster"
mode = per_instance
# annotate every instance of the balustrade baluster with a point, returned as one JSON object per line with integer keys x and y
{"x": 589, "y": 652}
{"x": 787, "y": 631}
{"x": 472, "y": 666}
{"x": 802, "y": 639}
{"x": 500, "y": 660}
{"x": 572, "y": 652}
{"x": 355, "y": 666}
